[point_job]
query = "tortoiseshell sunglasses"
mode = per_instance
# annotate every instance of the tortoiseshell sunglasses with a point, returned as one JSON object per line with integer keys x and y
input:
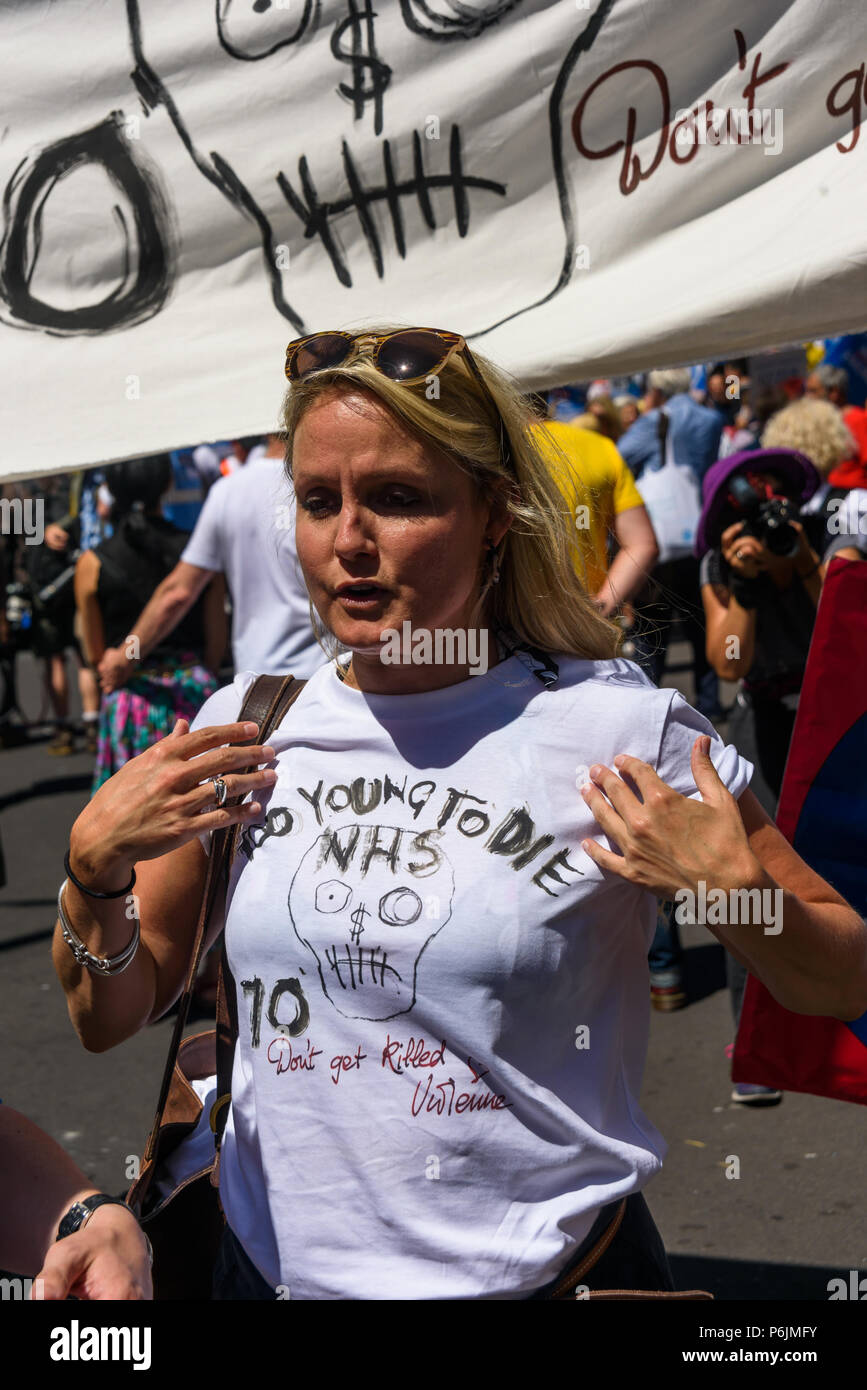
{"x": 409, "y": 355}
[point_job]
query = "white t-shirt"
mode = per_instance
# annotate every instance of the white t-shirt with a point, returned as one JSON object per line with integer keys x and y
{"x": 443, "y": 1002}
{"x": 246, "y": 530}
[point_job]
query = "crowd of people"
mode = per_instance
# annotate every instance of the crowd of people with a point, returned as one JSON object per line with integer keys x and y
{"x": 691, "y": 499}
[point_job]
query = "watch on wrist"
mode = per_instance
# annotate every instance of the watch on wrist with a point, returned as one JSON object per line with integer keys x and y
{"x": 80, "y": 1212}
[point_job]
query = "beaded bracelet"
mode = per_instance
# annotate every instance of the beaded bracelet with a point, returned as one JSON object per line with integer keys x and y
{"x": 92, "y": 892}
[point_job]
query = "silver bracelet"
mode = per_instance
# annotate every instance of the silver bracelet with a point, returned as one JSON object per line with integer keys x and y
{"x": 97, "y": 965}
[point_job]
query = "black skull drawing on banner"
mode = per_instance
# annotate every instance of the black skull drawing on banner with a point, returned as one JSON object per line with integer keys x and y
{"x": 368, "y": 155}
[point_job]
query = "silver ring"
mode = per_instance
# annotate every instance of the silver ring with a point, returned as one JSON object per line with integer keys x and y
{"x": 739, "y": 554}
{"x": 221, "y": 791}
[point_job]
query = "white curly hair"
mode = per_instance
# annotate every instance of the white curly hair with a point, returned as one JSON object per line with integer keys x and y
{"x": 814, "y": 428}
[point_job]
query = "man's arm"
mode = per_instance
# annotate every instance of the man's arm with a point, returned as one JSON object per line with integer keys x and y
{"x": 87, "y": 603}
{"x": 633, "y": 562}
{"x": 169, "y": 603}
{"x": 216, "y": 623}
{"x": 39, "y": 1183}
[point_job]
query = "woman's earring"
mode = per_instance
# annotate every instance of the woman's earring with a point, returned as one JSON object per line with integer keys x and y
{"x": 495, "y": 562}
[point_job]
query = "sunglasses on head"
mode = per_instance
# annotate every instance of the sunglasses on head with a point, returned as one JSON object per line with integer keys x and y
{"x": 409, "y": 356}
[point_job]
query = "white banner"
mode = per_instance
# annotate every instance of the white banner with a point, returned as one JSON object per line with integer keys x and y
{"x": 579, "y": 187}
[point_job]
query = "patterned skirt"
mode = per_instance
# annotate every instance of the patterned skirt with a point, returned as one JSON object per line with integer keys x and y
{"x": 145, "y": 709}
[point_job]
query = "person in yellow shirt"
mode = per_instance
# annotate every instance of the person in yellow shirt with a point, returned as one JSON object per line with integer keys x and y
{"x": 599, "y": 489}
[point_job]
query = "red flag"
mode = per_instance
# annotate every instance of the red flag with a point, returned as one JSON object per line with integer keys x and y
{"x": 823, "y": 815}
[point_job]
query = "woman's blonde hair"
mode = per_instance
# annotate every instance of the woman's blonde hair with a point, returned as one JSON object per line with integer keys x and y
{"x": 814, "y": 428}
{"x": 539, "y": 596}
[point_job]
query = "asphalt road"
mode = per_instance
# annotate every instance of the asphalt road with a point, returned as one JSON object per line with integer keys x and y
{"x": 794, "y": 1219}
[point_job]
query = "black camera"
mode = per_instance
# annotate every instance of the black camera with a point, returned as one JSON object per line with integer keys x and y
{"x": 766, "y": 515}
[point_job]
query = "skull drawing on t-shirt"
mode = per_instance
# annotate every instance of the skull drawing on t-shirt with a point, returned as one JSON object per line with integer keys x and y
{"x": 367, "y": 901}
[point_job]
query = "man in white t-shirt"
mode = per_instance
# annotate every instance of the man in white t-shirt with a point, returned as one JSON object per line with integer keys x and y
{"x": 246, "y": 532}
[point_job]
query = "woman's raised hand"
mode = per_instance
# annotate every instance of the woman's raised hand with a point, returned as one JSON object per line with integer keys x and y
{"x": 164, "y": 797}
{"x": 667, "y": 841}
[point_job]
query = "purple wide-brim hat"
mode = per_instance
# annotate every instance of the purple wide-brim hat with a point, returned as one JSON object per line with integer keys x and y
{"x": 795, "y": 469}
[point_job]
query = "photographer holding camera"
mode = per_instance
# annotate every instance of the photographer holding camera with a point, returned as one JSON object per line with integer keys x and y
{"x": 760, "y": 584}
{"x": 762, "y": 568}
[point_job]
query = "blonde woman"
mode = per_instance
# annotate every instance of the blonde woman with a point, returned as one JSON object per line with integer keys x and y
{"x": 441, "y": 958}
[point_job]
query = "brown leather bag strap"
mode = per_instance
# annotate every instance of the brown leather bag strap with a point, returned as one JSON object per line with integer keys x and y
{"x": 574, "y": 1277}
{"x": 278, "y": 703}
{"x": 267, "y": 701}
